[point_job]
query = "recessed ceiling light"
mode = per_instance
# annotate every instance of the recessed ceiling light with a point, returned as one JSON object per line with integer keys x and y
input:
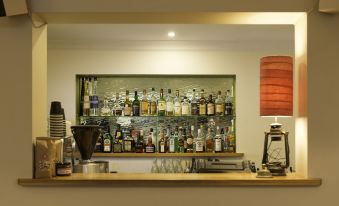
{"x": 171, "y": 34}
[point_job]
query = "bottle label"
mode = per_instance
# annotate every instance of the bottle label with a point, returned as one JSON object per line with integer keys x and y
{"x": 162, "y": 106}
{"x": 86, "y": 102}
{"x": 189, "y": 141}
{"x": 177, "y": 110}
{"x": 136, "y": 110}
{"x": 117, "y": 147}
{"x": 210, "y": 108}
{"x": 162, "y": 148}
{"x": 202, "y": 109}
{"x": 127, "y": 146}
{"x": 184, "y": 110}
{"x": 199, "y": 146}
{"x": 149, "y": 149}
{"x": 144, "y": 108}
{"x": 219, "y": 108}
{"x": 194, "y": 108}
{"x": 218, "y": 145}
{"x": 153, "y": 108}
{"x": 127, "y": 110}
{"x": 172, "y": 145}
{"x": 169, "y": 106}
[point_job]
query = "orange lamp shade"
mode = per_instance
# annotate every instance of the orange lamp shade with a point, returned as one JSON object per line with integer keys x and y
{"x": 276, "y": 86}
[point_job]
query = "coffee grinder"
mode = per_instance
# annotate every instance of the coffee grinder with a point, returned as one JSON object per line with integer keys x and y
{"x": 86, "y": 137}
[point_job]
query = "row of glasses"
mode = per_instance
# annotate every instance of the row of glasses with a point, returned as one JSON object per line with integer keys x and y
{"x": 170, "y": 165}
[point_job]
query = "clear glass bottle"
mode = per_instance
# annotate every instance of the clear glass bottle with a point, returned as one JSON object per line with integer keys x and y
{"x": 86, "y": 104}
{"x": 152, "y": 104}
{"x": 136, "y": 105}
{"x": 231, "y": 147}
{"x": 219, "y": 105}
{"x": 218, "y": 142}
{"x": 209, "y": 141}
{"x": 185, "y": 107}
{"x": 228, "y": 103}
{"x": 194, "y": 104}
{"x": 127, "y": 105}
{"x": 190, "y": 140}
{"x": 210, "y": 106}
{"x": 161, "y": 104}
{"x": 94, "y": 99}
{"x": 128, "y": 142}
{"x": 144, "y": 104}
{"x": 181, "y": 140}
{"x": 105, "y": 110}
{"x": 177, "y": 104}
{"x": 199, "y": 142}
{"x": 162, "y": 143}
{"x": 169, "y": 104}
{"x": 117, "y": 107}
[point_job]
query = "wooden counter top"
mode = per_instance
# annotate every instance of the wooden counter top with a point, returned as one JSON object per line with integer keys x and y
{"x": 179, "y": 180}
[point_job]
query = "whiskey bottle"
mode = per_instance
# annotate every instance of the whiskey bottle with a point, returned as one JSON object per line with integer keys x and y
{"x": 152, "y": 104}
{"x": 161, "y": 104}
{"x": 209, "y": 141}
{"x": 117, "y": 108}
{"x": 190, "y": 141}
{"x": 107, "y": 143}
{"x": 194, "y": 104}
{"x": 162, "y": 143}
{"x": 218, "y": 142}
{"x": 127, "y": 105}
{"x": 228, "y": 103}
{"x": 202, "y": 104}
{"x": 177, "y": 104}
{"x": 136, "y": 105}
{"x": 210, "y": 106}
{"x": 149, "y": 147}
{"x": 199, "y": 142}
{"x": 117, "y": 144}
{"x": 144, "y": 104}
{"x": 173, "y": 141}
{"x": 219, "y": 105}
{"x": 86, "y": 105}
{"x": 128, "y": 142}
{"x": 169, "y": 104}
{"x": 139, "y": 145}
{"x": 185, "y": 107}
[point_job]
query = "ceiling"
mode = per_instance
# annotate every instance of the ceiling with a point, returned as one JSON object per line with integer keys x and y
{"x": 154, "y": 36}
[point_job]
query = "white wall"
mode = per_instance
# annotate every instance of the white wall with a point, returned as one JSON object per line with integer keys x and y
{"x": 64, "y": 63}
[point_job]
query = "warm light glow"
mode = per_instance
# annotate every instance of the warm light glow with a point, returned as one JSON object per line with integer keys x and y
{"x": 171, "y": 34}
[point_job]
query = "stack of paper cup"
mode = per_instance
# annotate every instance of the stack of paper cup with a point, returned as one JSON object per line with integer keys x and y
{"x": 57, "y": 123}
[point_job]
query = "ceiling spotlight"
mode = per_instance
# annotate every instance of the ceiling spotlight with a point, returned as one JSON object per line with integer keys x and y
{"x": 171, "y": 34}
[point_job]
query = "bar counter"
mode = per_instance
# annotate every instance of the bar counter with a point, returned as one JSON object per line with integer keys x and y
{"x": 179, "y": 180}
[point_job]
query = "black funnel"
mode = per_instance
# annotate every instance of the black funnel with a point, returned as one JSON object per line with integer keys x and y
{"x": 86, "y": 137}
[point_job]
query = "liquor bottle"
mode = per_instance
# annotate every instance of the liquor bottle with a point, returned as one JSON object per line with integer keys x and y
{"x": 93, "y": 96}
{"x": 127, "y": 105}
{"x": 117, "y": 108}
{"x": 219, "y": 105}
{"x": 202, "y": 104}
{"x": 184, "y": 136}
{"x": 181, "y": 141}
{"x": 194, "y": 104}
{"x": 86, "y": 105}
{"x": 177, "y": 104}
{"x": 199, "y": 142}
{"x": 82, "y": 94}
{"x": 128, "y": 142}
{"x": 117, "y": 144}
{"x": 105, "y": 110}
{"x": 169, "y": 104}
{"x": 99, "y": 144}
{"x": 162, "y": 143}
{"x": 190, "y": 141}
{"x": 210, "y": 106}
{"x": 151, "y": 134}
{"x": 167, "y": 137}
{"x": 152, "y": 104}
{"x": 139, "y": 145}
{"x": 149, "y": 147}
{"x": 228, "y": 103}
{"x": 209, "y": 141}
{"x": 136, "y": 105}
{"x": 173, "y": 141}
{"x": 161, "y": 104}
{"x": 218, "y": 142}
{"x": 185, "y": 107}
{"x": 144, "y": 104}
{"x": 225, "y": 139}
{"x": 231, "y": 147}
{"x": 107, "y": 143}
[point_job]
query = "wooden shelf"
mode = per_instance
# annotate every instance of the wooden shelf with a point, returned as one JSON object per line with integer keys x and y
{"x": 142, "y": 155}
{"x": 177, "y": 180}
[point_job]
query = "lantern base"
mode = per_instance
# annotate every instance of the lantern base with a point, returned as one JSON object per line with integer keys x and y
{"x": 276, "y": 170}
